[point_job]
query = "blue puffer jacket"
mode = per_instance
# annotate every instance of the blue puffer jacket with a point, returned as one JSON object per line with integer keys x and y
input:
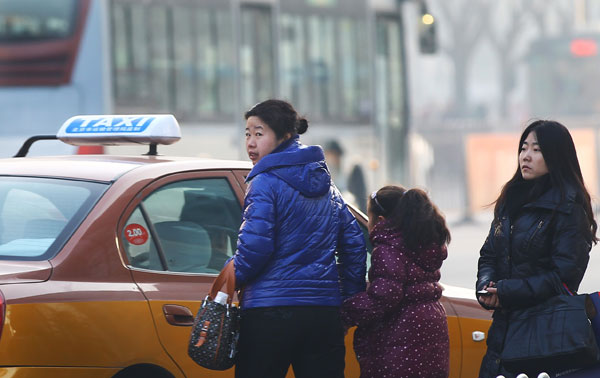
{"x": 295, "y": 224}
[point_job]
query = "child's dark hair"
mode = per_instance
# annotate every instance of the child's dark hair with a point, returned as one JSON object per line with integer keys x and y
{"x": 412, "y": 213}
{"x": 280, "y": 116}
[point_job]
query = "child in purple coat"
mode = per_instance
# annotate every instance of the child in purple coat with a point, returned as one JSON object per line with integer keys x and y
{"x": 402, "y": 329}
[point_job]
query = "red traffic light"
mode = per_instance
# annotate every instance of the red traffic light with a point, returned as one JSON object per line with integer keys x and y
{"x": 584, "y": 47}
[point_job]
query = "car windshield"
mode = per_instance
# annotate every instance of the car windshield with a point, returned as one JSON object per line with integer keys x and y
{"x": 38, "y": 215}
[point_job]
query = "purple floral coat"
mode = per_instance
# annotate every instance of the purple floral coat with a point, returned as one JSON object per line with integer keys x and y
{"x": 402, "y": 329}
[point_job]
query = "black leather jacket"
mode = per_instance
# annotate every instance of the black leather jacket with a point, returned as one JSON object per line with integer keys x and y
{"x": 543, "y": 247}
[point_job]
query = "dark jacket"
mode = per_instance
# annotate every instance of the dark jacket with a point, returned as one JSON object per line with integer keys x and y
{"x": 529, "y": 257}
{"x": 402, "y": 328}
{"x": 295, "y": 224}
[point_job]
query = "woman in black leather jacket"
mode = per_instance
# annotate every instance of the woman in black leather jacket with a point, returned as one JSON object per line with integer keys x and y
{"x": 541, "y": 235}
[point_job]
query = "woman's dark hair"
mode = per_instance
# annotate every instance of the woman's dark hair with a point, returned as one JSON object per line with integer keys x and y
{"x": 558, "y": 150}
{"x": 280, "y": 116}
{"x": 412, "y": 213}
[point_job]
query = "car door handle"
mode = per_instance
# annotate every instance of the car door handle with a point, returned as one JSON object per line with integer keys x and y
{"x": 178, "y": 315}
{"x": 478, "y": 336}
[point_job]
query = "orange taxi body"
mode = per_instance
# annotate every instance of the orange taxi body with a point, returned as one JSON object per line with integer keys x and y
{"x": 105, "y": 260}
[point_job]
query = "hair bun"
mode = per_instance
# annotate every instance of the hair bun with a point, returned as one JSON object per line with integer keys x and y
{"x": 302, "y": 125}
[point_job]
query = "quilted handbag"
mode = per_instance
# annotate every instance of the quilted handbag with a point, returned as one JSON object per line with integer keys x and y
{"x": 555, "y": 335}
{"x": 216, "y": 327}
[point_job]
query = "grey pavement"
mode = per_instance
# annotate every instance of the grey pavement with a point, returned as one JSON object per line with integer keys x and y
{"x": 460, "y": 269}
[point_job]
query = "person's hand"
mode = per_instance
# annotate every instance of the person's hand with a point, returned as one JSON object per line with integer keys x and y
{"x": 492, "y": 299}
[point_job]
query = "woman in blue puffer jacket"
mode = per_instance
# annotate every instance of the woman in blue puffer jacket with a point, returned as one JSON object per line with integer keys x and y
{"x": 300, "y": 252}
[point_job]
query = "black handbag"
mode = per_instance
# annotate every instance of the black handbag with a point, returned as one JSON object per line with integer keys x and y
{"x": 215, "y": 331}
{"x": 555, "y": 335}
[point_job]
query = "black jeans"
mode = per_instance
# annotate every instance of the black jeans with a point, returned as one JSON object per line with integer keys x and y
{"x": 310, "y": 338}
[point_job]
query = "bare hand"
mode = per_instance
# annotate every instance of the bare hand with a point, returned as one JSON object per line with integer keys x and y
{"x": 492, "y": 300}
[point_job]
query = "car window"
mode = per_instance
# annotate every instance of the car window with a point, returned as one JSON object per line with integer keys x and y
{"x": 37, "y": 215}
{"x": 187, "y": 226}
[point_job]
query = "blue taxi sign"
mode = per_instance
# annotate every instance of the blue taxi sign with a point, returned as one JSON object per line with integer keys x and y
{"x": 120, "y": 129}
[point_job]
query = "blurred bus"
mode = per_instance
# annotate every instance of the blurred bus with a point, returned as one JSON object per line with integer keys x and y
{"x": 50, "y": 68}
{"x": 339, "y": 62}
{"x": 564, "y": 76}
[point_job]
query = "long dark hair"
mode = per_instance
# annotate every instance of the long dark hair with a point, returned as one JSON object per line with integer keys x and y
{"x": 280, "y": 116}
{"x": 558, "y": 150}
{"x": 412, "y": 213}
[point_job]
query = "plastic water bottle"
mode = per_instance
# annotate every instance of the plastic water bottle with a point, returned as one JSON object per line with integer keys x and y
{"x": 522, "y": 376}
{"x": 543, "y": 375}
{"x": 221, "y": 298}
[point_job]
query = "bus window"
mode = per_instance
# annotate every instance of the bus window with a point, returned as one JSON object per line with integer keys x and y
{"x": 257, "y": 68}
{"x": 322, "y": 66}
{"x": 22, "y": 20}
{"x": 389, "y": 69}
{"x": 39, "y": 40}
{"x": 174, "y": 58}
{"x": 390, "y": 90}
{"x": 215, "y": 64}
{"x": 131, "y": 56}
{"x": 354, "y": 70}
{"x": 293, "y": 82}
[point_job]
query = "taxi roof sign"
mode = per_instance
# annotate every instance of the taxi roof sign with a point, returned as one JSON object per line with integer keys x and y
{"x": 120, "y": 129}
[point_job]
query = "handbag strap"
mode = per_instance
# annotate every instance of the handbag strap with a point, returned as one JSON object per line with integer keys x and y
{"x": 227, "y": 278}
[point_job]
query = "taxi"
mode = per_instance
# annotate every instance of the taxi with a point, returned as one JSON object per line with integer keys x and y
{"x": 105, "y": 259}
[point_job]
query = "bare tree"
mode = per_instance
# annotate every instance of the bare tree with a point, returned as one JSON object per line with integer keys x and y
{"x": 506, "y": 31}
{"x": 541, "y": 10}
{"x": 513, "y": 25}
{"x": 537, "y": 10}
{"x": 464, "y": 22}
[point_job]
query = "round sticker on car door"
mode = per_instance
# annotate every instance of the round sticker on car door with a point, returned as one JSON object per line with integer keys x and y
{"x": 136, "y": 234}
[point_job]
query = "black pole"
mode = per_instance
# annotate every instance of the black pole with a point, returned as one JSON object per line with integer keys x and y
{"x": 25, "y": 147}
{"x": 153, "y": 151}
